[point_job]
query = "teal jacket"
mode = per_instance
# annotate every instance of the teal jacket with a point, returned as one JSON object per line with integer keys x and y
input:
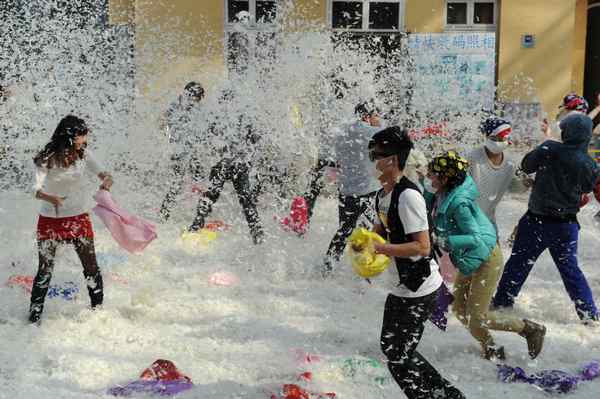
{"x": 469, "y": 235}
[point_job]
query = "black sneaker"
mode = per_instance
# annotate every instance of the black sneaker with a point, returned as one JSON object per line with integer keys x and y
{"x": 35, "y": 316}
{"x": 454, "y": 393}
{"x": 164, "y": 215}
{"x": 448, "y": 392}
{"x": 327, "y": 268}
{"x": 196, "y": 225}
{"x": 494, "y": 353}
{"x": 593, "y": 321}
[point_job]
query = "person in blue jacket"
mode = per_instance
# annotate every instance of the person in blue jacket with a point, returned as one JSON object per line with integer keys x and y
{"x": 563, "y": 172}
{"x": 463, "y": 230}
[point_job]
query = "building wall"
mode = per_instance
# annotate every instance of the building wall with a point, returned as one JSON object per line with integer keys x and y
{"x": 177, "y": 42}
{"x": 183, "y": 40}
{"x": 424, "y": 16}
{"x": 552, "y": 63}
{"x": 309, "y": 12}
{"x": 121, "y": 11}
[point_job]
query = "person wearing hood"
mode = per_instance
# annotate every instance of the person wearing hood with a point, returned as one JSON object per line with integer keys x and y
{"x": 330, "y": 107}
{"x": 234, "y": 140}
{"x": 572, "y": 103}
{"x": 356, "y": 184}
{"x": 178, "y": 123}
{"x": 463, "y": 230}
{"x": 493, "y": 173}
{"x": 564, "y": 171}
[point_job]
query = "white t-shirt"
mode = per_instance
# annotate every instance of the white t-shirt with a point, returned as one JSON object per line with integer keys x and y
{"x": 493, "y": 181}
{"x": 69, "y": 183}
{"x": 412, "y": 211}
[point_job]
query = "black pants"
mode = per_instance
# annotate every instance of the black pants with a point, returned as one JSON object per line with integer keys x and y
{"x": 179, "y": 165}
{"x": 316, "y": 184}
{"x": 350, "y": 208}
{"x": 47, "y": 252}
{"x": 403, "y": 325}
{"x": 238, "y": 174}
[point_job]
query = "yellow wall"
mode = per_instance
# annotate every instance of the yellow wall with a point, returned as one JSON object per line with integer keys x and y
{"x": 121, "y": 11}
{"x": 307, "y": 13}
{"x": 177, "y": 42}
{"x": 181, "y": 40}
{"x": 550, "y": 63}
{"x": 424, "y": 16}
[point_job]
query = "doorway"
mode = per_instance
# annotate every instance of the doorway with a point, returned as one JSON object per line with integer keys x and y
{"x": 592, "y": 62}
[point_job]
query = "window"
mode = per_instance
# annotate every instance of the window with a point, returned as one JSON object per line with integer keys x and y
{"x": 367, "y": 15}
{"x": 471, "y": 15}
{"x": 266, "y": 11}
{"x": 457, "y": 14}
{"x": 250, "y": 32}
{"x": 251, "y": 12}
{"x": 483, "y": 13}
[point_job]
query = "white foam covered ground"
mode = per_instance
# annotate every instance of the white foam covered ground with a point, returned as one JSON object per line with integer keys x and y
{"x": 242, "y": 342}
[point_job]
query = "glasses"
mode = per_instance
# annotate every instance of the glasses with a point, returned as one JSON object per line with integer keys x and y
{"x": 377, "y": 155}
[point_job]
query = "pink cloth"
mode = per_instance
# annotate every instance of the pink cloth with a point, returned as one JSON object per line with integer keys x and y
{"x": 447, "y": 269}
{"x": 131, "y": 232}
{"x": 223, "y": 278}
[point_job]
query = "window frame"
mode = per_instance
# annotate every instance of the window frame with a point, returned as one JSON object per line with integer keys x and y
{"x": 252, "y": 25}
{"x": 253, "y": 29}
{"x": 365, "y": 16}
{"x": 471, "y": 25}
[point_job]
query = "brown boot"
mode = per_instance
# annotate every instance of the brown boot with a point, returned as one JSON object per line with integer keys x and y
{"x": 494, "y": 353}
{"x": 534, "y": 334}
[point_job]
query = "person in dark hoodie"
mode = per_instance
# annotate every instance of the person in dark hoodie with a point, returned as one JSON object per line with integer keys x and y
{"x": 235, "y": 141}
{"x": 564, "y": 171}
{"x": 179, "y": 122}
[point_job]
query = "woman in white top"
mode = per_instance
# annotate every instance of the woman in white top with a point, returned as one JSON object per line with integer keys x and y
{"x": 63, "y": 218}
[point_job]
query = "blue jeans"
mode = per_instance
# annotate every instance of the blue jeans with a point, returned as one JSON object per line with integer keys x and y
{"x": 534, "y": 236}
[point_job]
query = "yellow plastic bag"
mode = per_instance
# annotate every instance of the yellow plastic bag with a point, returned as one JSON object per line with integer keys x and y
{"x": 365, "y": 262}
{"x": 200, "y": 238}
{"x": 296, "y": 116}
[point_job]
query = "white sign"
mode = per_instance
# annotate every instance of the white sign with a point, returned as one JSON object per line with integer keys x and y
{"x": 454, "y": 71}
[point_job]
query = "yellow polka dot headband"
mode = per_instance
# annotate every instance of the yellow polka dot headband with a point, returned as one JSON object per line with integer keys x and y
{"x": 449, "y": 164}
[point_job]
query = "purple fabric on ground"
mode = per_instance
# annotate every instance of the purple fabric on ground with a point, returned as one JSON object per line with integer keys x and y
{"x": 551, "y": 381}
{"x": 590, "y": 371}
{"x": 445, "y": 299}
{"x": 160, "y": 388}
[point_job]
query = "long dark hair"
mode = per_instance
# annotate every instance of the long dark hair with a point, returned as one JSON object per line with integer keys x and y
{"x": 60, "y": 151}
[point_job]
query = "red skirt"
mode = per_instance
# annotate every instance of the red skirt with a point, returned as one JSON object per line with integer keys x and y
{"x": 68, "y": 228}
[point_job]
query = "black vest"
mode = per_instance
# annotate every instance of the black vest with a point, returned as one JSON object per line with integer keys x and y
{"x": 411, "y": 274}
